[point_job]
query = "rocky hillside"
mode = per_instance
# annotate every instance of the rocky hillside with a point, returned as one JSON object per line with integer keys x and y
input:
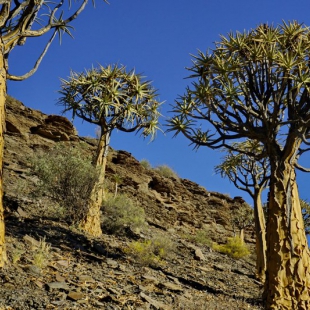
{"x": 80, "y": 272}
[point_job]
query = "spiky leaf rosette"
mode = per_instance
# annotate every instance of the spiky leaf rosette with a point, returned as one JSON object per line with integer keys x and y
{"x": 112, "y": 98}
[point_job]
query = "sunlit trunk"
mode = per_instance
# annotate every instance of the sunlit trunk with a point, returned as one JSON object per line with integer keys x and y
{"x": 241, "y": 235}
{"x": 260, "y": 231}
{"x": 91, "y": 223}
{"x": 287, "y": 285}
{"x": 3, "y": 256}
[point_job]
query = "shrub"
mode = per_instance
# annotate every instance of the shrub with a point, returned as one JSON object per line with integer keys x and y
{"x": 65, "y": 175}
{"x": 17, "y": 255}
{"x": 201, "y": 237}
{"x": 145, "y": 163}
{"x": 234, "y": 248}
{"x": 41, "y": 254}
{"x": 121, "y": 212}
{"x": 150, "y": 252}
{"x": 166, "y": 171}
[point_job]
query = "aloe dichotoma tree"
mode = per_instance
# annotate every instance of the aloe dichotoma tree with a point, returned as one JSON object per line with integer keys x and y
{"x": 111, "y": 98}
{"x": 250, "y": 175}
{"x": 19, "y": 21}
{"x": 255, "y": 85}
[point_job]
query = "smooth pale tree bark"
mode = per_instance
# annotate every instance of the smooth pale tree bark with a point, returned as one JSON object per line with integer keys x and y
{"x": 287, "y": 285}
{"x": 260, "y": 231}
{"x": 91, "y": 222}
{"x": 3, "y": 72}
{"x": 241, "y": 235}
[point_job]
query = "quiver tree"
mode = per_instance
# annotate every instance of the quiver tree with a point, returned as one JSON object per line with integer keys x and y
{"x": 255, "y": 85}
{"x": 111, "y": 98}
{"x": 249, "y": 174}
{"x": 242, "y": 217}
{"x": 20, "y": 20}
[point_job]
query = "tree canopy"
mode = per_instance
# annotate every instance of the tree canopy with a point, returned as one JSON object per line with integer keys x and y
{"x": 252, "y": 85}
{"x": 112, "y": 98}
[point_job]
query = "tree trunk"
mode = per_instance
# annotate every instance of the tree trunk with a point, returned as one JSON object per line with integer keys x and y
{"x": 3, "y": 257}
{"x": 241, "y": 235}
{"x": 91, "y": 222}
{"x": 260, "y": 231}
{"x": 287, "y": 284}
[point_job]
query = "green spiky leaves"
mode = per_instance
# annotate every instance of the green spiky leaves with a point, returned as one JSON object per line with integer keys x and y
{"x": 112, "y": 98}
{"x": 252, "y": 85}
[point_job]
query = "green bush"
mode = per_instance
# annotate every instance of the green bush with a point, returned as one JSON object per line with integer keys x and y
{"x": 166, "y": 171}
{"x": 121, "y": 212}
{"x": 145, "y": 163}
{"x": 151, "y": 252}
{"x": 65, "y": 175}
{"x": 234, "y": 248}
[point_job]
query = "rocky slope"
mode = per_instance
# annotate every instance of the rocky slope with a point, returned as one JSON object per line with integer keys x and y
{"x": 80, "y": 272}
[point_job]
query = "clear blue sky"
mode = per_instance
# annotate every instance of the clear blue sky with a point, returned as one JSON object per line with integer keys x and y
{"x": 156, "y": 38}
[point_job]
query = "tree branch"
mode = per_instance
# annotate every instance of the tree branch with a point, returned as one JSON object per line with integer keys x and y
{"x": 37, "y": 64}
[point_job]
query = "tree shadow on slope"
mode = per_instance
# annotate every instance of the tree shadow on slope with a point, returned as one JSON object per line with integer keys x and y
{"x": 60, "y": 236}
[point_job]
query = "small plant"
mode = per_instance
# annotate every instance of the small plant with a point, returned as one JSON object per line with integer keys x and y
{"x": 16, "y": 255}
{"x": 142, "y": 253}
{"x": 121, "y": 212}
{"x": 145, "y": 163}
{"x": 200, "y": 237}
{"x": 41, "y": 254}
{"x": 150, "y": 252}
{"x": 65, "y": 175}
{"x": 162, "y": 246}
{"x": 234, "y": 248}
{"x": 166, "y": 172}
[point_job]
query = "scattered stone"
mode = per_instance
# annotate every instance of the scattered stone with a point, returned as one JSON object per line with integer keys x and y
{"x": 171, "y": 287}
{"x": 22, "y": 213}
{"x": 35, "y": 270}
{"x": 58, "y": 285}
{"x": 76, "y": 295}
{"x": 150, "y": 278}
{"x": 62, "y": 263}
{"x": 59, "y": 278}
{"x": 58, "y": 302}
{"x": 31, "y": 241}
{"x": 112, "y": 263}
{"x": 39, "y": 284}
{"x": 156, "y": 304}
{"x": 86, "y": 278}
{"x": 199, "y": 255}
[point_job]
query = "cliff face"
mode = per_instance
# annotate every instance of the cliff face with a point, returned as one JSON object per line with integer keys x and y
{"x": 194, "y": 277}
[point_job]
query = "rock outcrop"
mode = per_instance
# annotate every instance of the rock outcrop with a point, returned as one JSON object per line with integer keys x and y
{"x": 86, "y": 273}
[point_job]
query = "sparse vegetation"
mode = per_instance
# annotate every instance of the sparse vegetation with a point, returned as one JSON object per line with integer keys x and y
{"x": 66, "y": 175}
{"x": 41, "y": 254}
{"x": 150, "y": 252}
{"x": 166, "y": 171}
{"x": 145, "y": 163}
{"x": 200, "y": 237}
{"x": 16, "y": 255}
{"x": 121, "y": 212}
{"x": 234, "y": 248}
